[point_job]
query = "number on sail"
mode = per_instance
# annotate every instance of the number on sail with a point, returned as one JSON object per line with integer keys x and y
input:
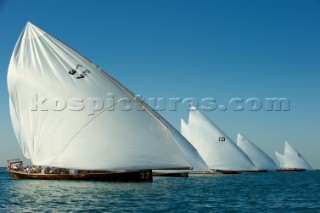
{"x": 85, "y": 72}
{"x": 72, "y": 72}
{"x": 81, "y": 76}
{"x": 222, "y": 139}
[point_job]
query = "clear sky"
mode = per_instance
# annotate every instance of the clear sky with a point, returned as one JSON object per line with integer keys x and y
{"x": 218, "y": 49}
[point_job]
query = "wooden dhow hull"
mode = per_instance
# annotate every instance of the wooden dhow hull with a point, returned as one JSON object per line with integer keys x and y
{"x": 252, "y": 171}
{"x": 291, "y": 170}
{"x": 123, "y": 176}
{"x": 217, "y": 172}
{"x": 176, "y": 174}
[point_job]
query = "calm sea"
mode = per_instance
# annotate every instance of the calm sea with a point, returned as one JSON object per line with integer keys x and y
{"x": 250, "y": 192}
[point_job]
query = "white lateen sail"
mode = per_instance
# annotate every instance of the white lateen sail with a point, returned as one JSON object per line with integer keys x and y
{"x": 214, "y": 146}
{"x": 198, "y": 165}
{"x": 292, "y": 159}
{"x": 280, "y": 158}
{"x": 259, "y": 158}
{"x": 184, "y": 129}
{"x": 60, "y": 120}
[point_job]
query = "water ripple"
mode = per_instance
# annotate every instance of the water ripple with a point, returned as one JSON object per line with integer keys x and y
{"x": 251, "y": 192}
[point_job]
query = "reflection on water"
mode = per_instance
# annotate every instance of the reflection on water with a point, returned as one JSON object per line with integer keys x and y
{"x": 210, "y": 193}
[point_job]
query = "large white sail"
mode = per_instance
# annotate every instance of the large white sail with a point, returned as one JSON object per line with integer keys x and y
{"x": 214, "y": 146}
{"x": 44, "y": 73}
{"x": 259, "y": 158}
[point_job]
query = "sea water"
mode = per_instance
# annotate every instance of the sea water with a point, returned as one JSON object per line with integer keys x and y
{"x": 248, "y": 192}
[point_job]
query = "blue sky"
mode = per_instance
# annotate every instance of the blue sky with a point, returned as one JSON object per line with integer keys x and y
{"x": 198, "y": 49}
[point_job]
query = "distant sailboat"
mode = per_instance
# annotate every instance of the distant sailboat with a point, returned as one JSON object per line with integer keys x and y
{"x": 42, "y": 72}
{"x": 218, "y": 151}
{"x": 259, "y": 158}
{"x": 292, "y": 160}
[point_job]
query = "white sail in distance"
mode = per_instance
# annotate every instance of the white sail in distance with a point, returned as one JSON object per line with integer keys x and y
{"x": 197, "y": 165}
{"x": 292, "y": 159}
{"x": 44, "y": 68}
{"x": 280, "y": 158}
{"x": 215, "y": 147}
{"x": 259, "y": 158}
{"x": 184, "y": 129}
